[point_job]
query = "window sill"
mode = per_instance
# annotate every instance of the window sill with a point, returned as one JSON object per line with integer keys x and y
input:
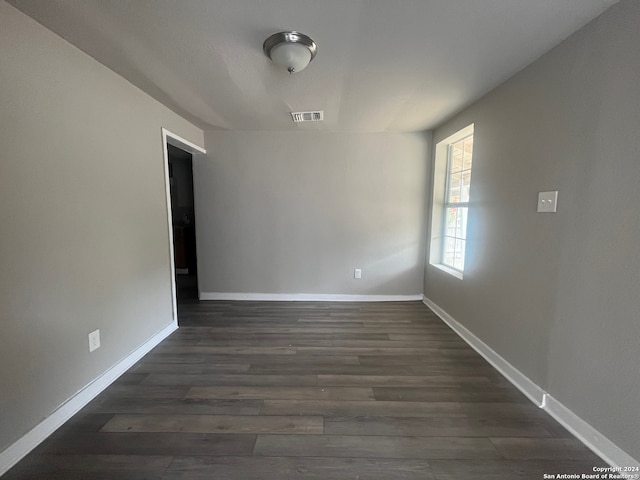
{"x": 449, "y": 270}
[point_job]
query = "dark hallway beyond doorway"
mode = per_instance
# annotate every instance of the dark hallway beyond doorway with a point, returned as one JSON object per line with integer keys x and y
{"x": 183, "y": 217}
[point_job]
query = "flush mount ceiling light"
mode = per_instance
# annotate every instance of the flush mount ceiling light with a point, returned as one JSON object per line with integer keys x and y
{"x": 291, "y": 50}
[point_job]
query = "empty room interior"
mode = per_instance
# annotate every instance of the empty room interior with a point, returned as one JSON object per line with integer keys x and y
{"x": 320, "y": 239}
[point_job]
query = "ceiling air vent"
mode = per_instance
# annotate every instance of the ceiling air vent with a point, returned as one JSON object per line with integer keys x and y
{"x": 308, "y": 116}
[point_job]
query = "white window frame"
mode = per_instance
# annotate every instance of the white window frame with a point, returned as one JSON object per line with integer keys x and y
{"x": 439, "y": 201}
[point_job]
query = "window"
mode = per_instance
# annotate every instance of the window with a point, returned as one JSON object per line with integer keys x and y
{"x": 452, "y": 181}
{"x": 459, "y": 159}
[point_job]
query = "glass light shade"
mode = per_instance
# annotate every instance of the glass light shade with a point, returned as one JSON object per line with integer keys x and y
{"x": 292, "y": 56}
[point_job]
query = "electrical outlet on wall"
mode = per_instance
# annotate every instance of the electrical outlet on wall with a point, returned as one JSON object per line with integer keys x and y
{"x": 548, "y": 202}
{"x": 357, "y": 273}
{"x": 94, "y": 340}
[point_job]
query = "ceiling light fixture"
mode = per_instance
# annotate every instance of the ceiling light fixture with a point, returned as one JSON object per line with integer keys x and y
{"x": 291, "y": 50}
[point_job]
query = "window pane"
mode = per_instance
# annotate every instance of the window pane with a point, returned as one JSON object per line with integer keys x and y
{"x": 449, "y": 251}
{"x": 451, "y": 222}
{"x": 465, "y": 183}
{"x": 457, "y": 156}
{"x": 461, "y": 222}
{"x": 467, "y": 162}
{"x": 458, "y": 259}
{"x": 455, "y": 181}
{"x": 468, "y": 153}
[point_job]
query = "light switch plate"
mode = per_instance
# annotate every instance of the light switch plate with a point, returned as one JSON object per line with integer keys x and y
{"x": 548, "y": 202}
{"x": 357, "y": 273}
{"x": 94, "y": 340}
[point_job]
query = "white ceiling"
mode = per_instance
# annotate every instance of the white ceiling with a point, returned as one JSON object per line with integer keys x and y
{"x": 382, "y": 65}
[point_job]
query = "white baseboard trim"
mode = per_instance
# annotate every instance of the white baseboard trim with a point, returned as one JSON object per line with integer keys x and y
{"x": 511, "y": 373}
{"x": 307, "y": 297}
{"x": 592, "y": 438}
{"x": 596, "y": 441}
{"x": 14, "y": 453}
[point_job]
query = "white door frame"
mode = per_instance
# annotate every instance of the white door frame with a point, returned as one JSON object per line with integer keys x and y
{"x": 170, "y": 138}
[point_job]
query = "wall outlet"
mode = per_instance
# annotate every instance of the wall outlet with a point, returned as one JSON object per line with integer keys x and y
{"x": 357, "y": 273}
{"x": 548, "y": 202}
{"x": 94, "y": 340}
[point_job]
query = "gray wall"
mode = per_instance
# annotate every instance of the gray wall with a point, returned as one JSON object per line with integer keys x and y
{"x": 297, "y": 212}
{"x": 83, "y": 245}
{"x": 557, "y": 295}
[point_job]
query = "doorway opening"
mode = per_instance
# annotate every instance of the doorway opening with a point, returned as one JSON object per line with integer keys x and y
{"x": 183, "y": 223}
{"x": 179, "y": 156}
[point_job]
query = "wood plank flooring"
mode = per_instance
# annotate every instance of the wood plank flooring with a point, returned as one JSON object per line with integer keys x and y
{"x": 305, "y": 390}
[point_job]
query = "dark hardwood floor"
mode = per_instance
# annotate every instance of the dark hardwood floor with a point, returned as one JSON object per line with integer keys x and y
{"x": 253, "y": 390}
